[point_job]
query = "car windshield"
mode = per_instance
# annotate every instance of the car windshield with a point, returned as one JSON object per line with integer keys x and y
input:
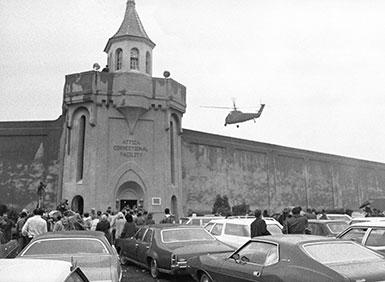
{"x": 185, "y": 235}
{"x": 274, "y": 229}
{"x": 337, "y": 227}
{"x": 66, "y": 246}
{"x": 340, "y": 252}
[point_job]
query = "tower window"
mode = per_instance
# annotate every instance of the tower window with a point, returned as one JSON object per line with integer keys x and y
{"x": 80, "y": 155}
{"x": 134, "y": 59}
{"x": 118, "y": 59}
{"x": 148, "y": 63}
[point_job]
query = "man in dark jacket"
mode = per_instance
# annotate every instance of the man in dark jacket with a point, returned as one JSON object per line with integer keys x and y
{"x": 296, "y": 224}
{"x": 258, "y": 226}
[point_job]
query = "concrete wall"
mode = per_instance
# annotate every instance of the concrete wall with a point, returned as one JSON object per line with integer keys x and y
{"x": 29, "y": 153}
{"x": 272, "y": 177}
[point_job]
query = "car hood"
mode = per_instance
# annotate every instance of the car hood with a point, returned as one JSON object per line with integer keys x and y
{"x": 361, "y": 270}
{"x": 95, "y": 267}
{"x": 198, "y": 247}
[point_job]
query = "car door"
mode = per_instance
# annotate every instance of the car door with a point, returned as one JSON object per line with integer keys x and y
{"x": 138, "y": 243}
{"x": 144, "y": 245}
{"x": 255, "y": 261}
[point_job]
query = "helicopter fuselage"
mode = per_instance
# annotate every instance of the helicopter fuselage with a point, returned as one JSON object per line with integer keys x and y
{"x": 237, "y": 116}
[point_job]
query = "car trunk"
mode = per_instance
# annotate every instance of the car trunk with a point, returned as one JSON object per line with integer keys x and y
{"x": 189, "y": 249}
{"x": 96, "y": 267}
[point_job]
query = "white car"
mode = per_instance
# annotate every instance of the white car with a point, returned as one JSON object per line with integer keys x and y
{"x": 199, "y": 220}
{"x": 337, "y": 216}
{"x": 236, "y": 231}
{"x": 366, "y": 219}
{"x": 42, "y": 270}
{"x": 369, "y": 234}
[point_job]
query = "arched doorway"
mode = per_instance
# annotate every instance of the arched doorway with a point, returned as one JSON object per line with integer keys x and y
{"x": 77, "y": 204}
{"x": 174, "y": 207}
{"x": 130, "y": 194}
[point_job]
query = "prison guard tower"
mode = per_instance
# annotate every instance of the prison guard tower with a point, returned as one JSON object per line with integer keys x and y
{"x": 123, "y": 129}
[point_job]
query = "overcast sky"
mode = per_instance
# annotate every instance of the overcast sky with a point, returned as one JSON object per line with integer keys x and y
{"x": 319, "y": 65}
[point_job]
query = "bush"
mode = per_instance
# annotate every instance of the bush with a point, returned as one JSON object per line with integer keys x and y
{"x": 221, "y": 205}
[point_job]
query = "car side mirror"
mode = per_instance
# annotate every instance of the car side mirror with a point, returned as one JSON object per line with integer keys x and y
{"x": 236, "y": 257}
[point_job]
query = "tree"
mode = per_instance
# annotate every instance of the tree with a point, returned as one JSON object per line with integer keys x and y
{"x": 221, "y": 205}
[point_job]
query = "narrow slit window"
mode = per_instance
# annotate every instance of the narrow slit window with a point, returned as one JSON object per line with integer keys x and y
{"x": 134, "y": 59}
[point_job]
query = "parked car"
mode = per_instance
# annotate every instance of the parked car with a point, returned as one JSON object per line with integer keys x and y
{"x": 198, "y": 220}
{"x": 88, "y": 249}
{"x": 9, "y": 249}
{"x": 370, "y": 234}
{"x": 32, "y": 270}
{"x": 337, "y": 216}
{"x": 325, "y": 227}
{"x": 367, "y": 219}
{"x": 291, "y": 258}
{"x": 165, "y": 248}
{"x": 236, "y": 231}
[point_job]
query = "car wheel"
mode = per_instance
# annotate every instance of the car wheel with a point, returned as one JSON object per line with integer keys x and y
{"x": 154, "y": 269}
{"x": 205, "y": 278}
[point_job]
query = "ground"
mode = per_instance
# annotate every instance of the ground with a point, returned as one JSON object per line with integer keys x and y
{"x": 132, "y": 273}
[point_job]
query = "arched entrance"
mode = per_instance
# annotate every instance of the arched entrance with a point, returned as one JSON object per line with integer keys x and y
{"x": 77, "y": 204}
{"x": 130, "y": 194}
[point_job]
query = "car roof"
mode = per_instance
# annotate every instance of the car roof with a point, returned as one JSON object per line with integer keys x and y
{"x": 244, "y": 221}
{"x": 326, "y": 221}
{"x": 369, "y": 224}
{"x": 30, "y": 270}
{"x": 170, "y": 226}
{"x": 72, "y": 234}
{"x": 294, "y": 239}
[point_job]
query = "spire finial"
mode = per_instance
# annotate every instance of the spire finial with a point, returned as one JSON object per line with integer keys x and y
{"x": 130, "y": 2}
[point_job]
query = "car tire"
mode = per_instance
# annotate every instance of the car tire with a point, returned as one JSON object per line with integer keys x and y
{"x": 154, "y": 271}
{"x": 205, "y": 278}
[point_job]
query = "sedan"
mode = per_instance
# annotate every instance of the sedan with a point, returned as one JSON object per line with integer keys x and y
{"x": 9, "y": 249}
{"x": 88, "y": 249}
{"x": 326, "y": 227}
{"x": 370, "y": 234}
{"x": 236, "y": 231}
{"x": 291, "y": 258}
{"x": 32, "y": 270}
{"x": 165, "y": 248}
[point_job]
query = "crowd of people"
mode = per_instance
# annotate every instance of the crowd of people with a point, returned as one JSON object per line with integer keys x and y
{"x": 125, "y": 223}
{"x": 122, "y": 224}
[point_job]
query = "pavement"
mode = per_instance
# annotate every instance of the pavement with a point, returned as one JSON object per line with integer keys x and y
{"x": 133, "y": 273}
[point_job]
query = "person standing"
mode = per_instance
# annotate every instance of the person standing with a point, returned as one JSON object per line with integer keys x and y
{"x": 258, "y": 226}
{"x": 168, "y": 218}
{"x": 21, "y": 240}
{"x": 104, "y": 226}
{"x": 34, "y": 225}
{"x": 129, "y": 228}
{"x": 297, "y": 224}
{"x": 120, "y": 221}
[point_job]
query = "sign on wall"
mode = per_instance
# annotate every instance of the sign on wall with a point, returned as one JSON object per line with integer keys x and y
{"x": 130, "y": 148}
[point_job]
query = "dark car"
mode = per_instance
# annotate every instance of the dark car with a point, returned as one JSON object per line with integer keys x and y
{"x": 291, "y": 258}
{"x": 90, "y": 250}
{"x": 9, "y": 249}
{"x": 166, "y": 248}
{"x": 326, "y": 227}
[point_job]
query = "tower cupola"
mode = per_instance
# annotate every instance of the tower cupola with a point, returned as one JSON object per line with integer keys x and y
{"x": 130, "y": 49}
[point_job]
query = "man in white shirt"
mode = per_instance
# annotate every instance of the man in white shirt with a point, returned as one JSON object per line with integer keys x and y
{"x": 34, "y": 225}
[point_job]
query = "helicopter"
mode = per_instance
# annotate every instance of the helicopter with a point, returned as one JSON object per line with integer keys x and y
{"x": 236, "y": 116}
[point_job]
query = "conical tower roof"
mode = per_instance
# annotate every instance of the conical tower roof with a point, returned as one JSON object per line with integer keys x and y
{"x": 131, "y": 27}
